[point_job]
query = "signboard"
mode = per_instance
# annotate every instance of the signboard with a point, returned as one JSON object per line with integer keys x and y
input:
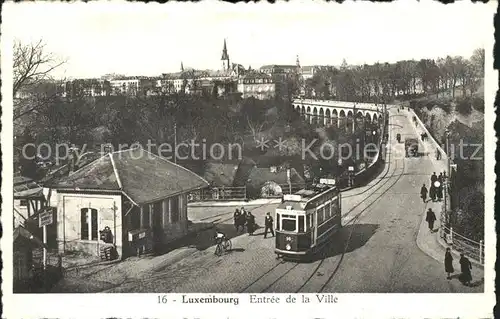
{"x": 46, "y": 218}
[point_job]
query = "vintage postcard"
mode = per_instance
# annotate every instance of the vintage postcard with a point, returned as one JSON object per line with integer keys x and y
{"x": 212, "y": 160}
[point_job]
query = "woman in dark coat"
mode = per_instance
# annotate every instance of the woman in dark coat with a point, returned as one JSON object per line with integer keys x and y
{"x": 423, "y": 193}
{"x": 430, "y": 218}
{"x": 448, "y": 263}
{"x": 250, "y": 223}
{"x": 465, "y": 268}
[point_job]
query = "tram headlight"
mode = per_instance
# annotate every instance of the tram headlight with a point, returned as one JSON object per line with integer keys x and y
{"x": 288, "y": 247}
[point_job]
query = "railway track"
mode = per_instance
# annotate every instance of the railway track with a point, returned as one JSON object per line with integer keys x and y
{"x": 384, "y": 180}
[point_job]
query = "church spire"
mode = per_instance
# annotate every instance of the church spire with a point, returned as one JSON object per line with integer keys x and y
{"x": 298, "y": 62}
{"x": 182, "y": 67}
{"x": 225, "y": 57}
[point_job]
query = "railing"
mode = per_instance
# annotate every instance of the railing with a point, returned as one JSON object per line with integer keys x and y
{"x": 222, "y": 193}
{"x": 462, "y": 244}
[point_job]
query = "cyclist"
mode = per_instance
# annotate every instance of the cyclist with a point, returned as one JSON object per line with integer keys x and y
{"x": 219, "y": 237}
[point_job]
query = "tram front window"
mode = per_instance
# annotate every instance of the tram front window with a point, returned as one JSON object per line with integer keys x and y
{"x": 288, "y": 225}
{"x": 301, "y": 224}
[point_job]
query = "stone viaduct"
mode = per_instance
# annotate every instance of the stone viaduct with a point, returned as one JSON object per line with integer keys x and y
{"x": 339, "y": 113}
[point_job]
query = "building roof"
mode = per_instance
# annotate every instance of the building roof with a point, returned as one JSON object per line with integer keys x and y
{"x": 25, "y": 187}
{"x": 256, "y": 75}
{"x": 284, "y": 66}
{"x": 308, "y": 68}
{"x": 140, "y": 175}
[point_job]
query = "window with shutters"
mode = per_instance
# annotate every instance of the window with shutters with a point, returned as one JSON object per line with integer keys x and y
{"x": 88, "y": 223}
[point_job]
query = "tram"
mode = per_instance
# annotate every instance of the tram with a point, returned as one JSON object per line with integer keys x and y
{"x": 306, "y": 220}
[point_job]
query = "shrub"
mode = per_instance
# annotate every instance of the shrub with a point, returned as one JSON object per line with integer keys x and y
{"x": 478, "y": 104}
{"x": 464, "y": 106}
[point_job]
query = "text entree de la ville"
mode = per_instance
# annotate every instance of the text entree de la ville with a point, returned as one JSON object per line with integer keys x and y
{"x": 320, "y": 298}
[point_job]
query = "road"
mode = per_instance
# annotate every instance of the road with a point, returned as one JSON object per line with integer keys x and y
{"x": 375, "y": 252}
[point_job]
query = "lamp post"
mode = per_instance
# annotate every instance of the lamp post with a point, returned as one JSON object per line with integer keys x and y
{"x": 448, "y": 177}
{"x": 175, "y": 143}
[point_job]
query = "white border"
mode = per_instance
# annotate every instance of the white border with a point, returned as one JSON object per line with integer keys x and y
{"x": 145, "y": 305}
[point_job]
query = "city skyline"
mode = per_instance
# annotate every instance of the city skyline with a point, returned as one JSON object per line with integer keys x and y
{"x": 106, "y": 42}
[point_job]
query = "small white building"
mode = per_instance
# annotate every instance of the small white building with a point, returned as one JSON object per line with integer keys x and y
{"x": 139, "y": 196}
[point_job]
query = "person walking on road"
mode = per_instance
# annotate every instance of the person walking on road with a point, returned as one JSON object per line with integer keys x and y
{"x": 238, "y": 220}
{"x": 430, "y": 219}
{"x": 439, "y": 192}
{"x": 432, "y": 192}
{"x": 423, "y": 193}
{"x": 448, "y": 263}
{"x": 438, "y": 154}
{"x": 465, "y": 268}
{"x": 432, "y": 189}
{"x": 434, "y": 177}
{"x": 268, "y": 224}
{"x": 250, "y": 223}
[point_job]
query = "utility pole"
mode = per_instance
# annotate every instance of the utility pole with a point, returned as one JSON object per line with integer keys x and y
{"x": 175, "y": 143}
{"x": 448, "y": 177}
{"x": 354, "y": 119}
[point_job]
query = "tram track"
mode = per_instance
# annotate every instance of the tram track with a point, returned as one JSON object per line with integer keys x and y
{"x": 355, "y": 219}
{"x": 382, "y": 182}
{"x": 351, "y": 222}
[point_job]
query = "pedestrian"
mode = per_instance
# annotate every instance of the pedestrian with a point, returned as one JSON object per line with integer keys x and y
{"x": 423, "y": 193}
{"x": 430, "y": 219}
{"x": 439, "y": 192}
{"x": 422, "y": 136}
{"x": 237, "y": 219}
{"x": 438, "y": 154}
{"x": 268, "y": 225}
{"x": 465, "y": 268}
{"x": 250, "y": 223}
{"x": 432, "y": 192}
{"x": 434, "y": 178}
{"x": 448, "y": 263}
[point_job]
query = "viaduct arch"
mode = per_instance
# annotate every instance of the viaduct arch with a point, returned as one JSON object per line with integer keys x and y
{"x": 338, "y": 113}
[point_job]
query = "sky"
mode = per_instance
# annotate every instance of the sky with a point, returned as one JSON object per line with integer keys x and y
{"x": 150, "y": 39}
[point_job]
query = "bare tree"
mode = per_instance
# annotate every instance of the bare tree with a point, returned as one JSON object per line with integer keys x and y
{"x": 32, "y": 66}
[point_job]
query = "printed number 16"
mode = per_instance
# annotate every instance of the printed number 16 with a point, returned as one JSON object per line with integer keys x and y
{"x": 162, "y": 299}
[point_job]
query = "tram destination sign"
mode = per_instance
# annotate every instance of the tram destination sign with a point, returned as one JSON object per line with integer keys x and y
{"x": 46, "y": 218}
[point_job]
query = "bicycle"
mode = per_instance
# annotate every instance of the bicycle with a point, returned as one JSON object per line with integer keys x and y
{"x": 223, "y": 246}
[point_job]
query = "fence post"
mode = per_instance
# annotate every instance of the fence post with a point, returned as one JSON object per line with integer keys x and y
{"x": 223, "y": 192}
{"x": 245, "y": 190}
{"x": 481, "y": 251}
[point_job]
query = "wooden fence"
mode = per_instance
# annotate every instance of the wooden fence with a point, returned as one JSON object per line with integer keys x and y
{"x": 223, "y": 193}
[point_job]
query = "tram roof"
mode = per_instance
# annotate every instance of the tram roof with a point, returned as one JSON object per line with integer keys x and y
{"x": 300, "y": 199}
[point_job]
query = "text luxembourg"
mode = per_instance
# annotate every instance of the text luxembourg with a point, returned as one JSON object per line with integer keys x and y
{"x": 321, "y": 298}
{"x": 210, "y": 299}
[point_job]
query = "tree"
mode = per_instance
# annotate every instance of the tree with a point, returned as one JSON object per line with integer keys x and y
{"x": 32, "y": 65}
